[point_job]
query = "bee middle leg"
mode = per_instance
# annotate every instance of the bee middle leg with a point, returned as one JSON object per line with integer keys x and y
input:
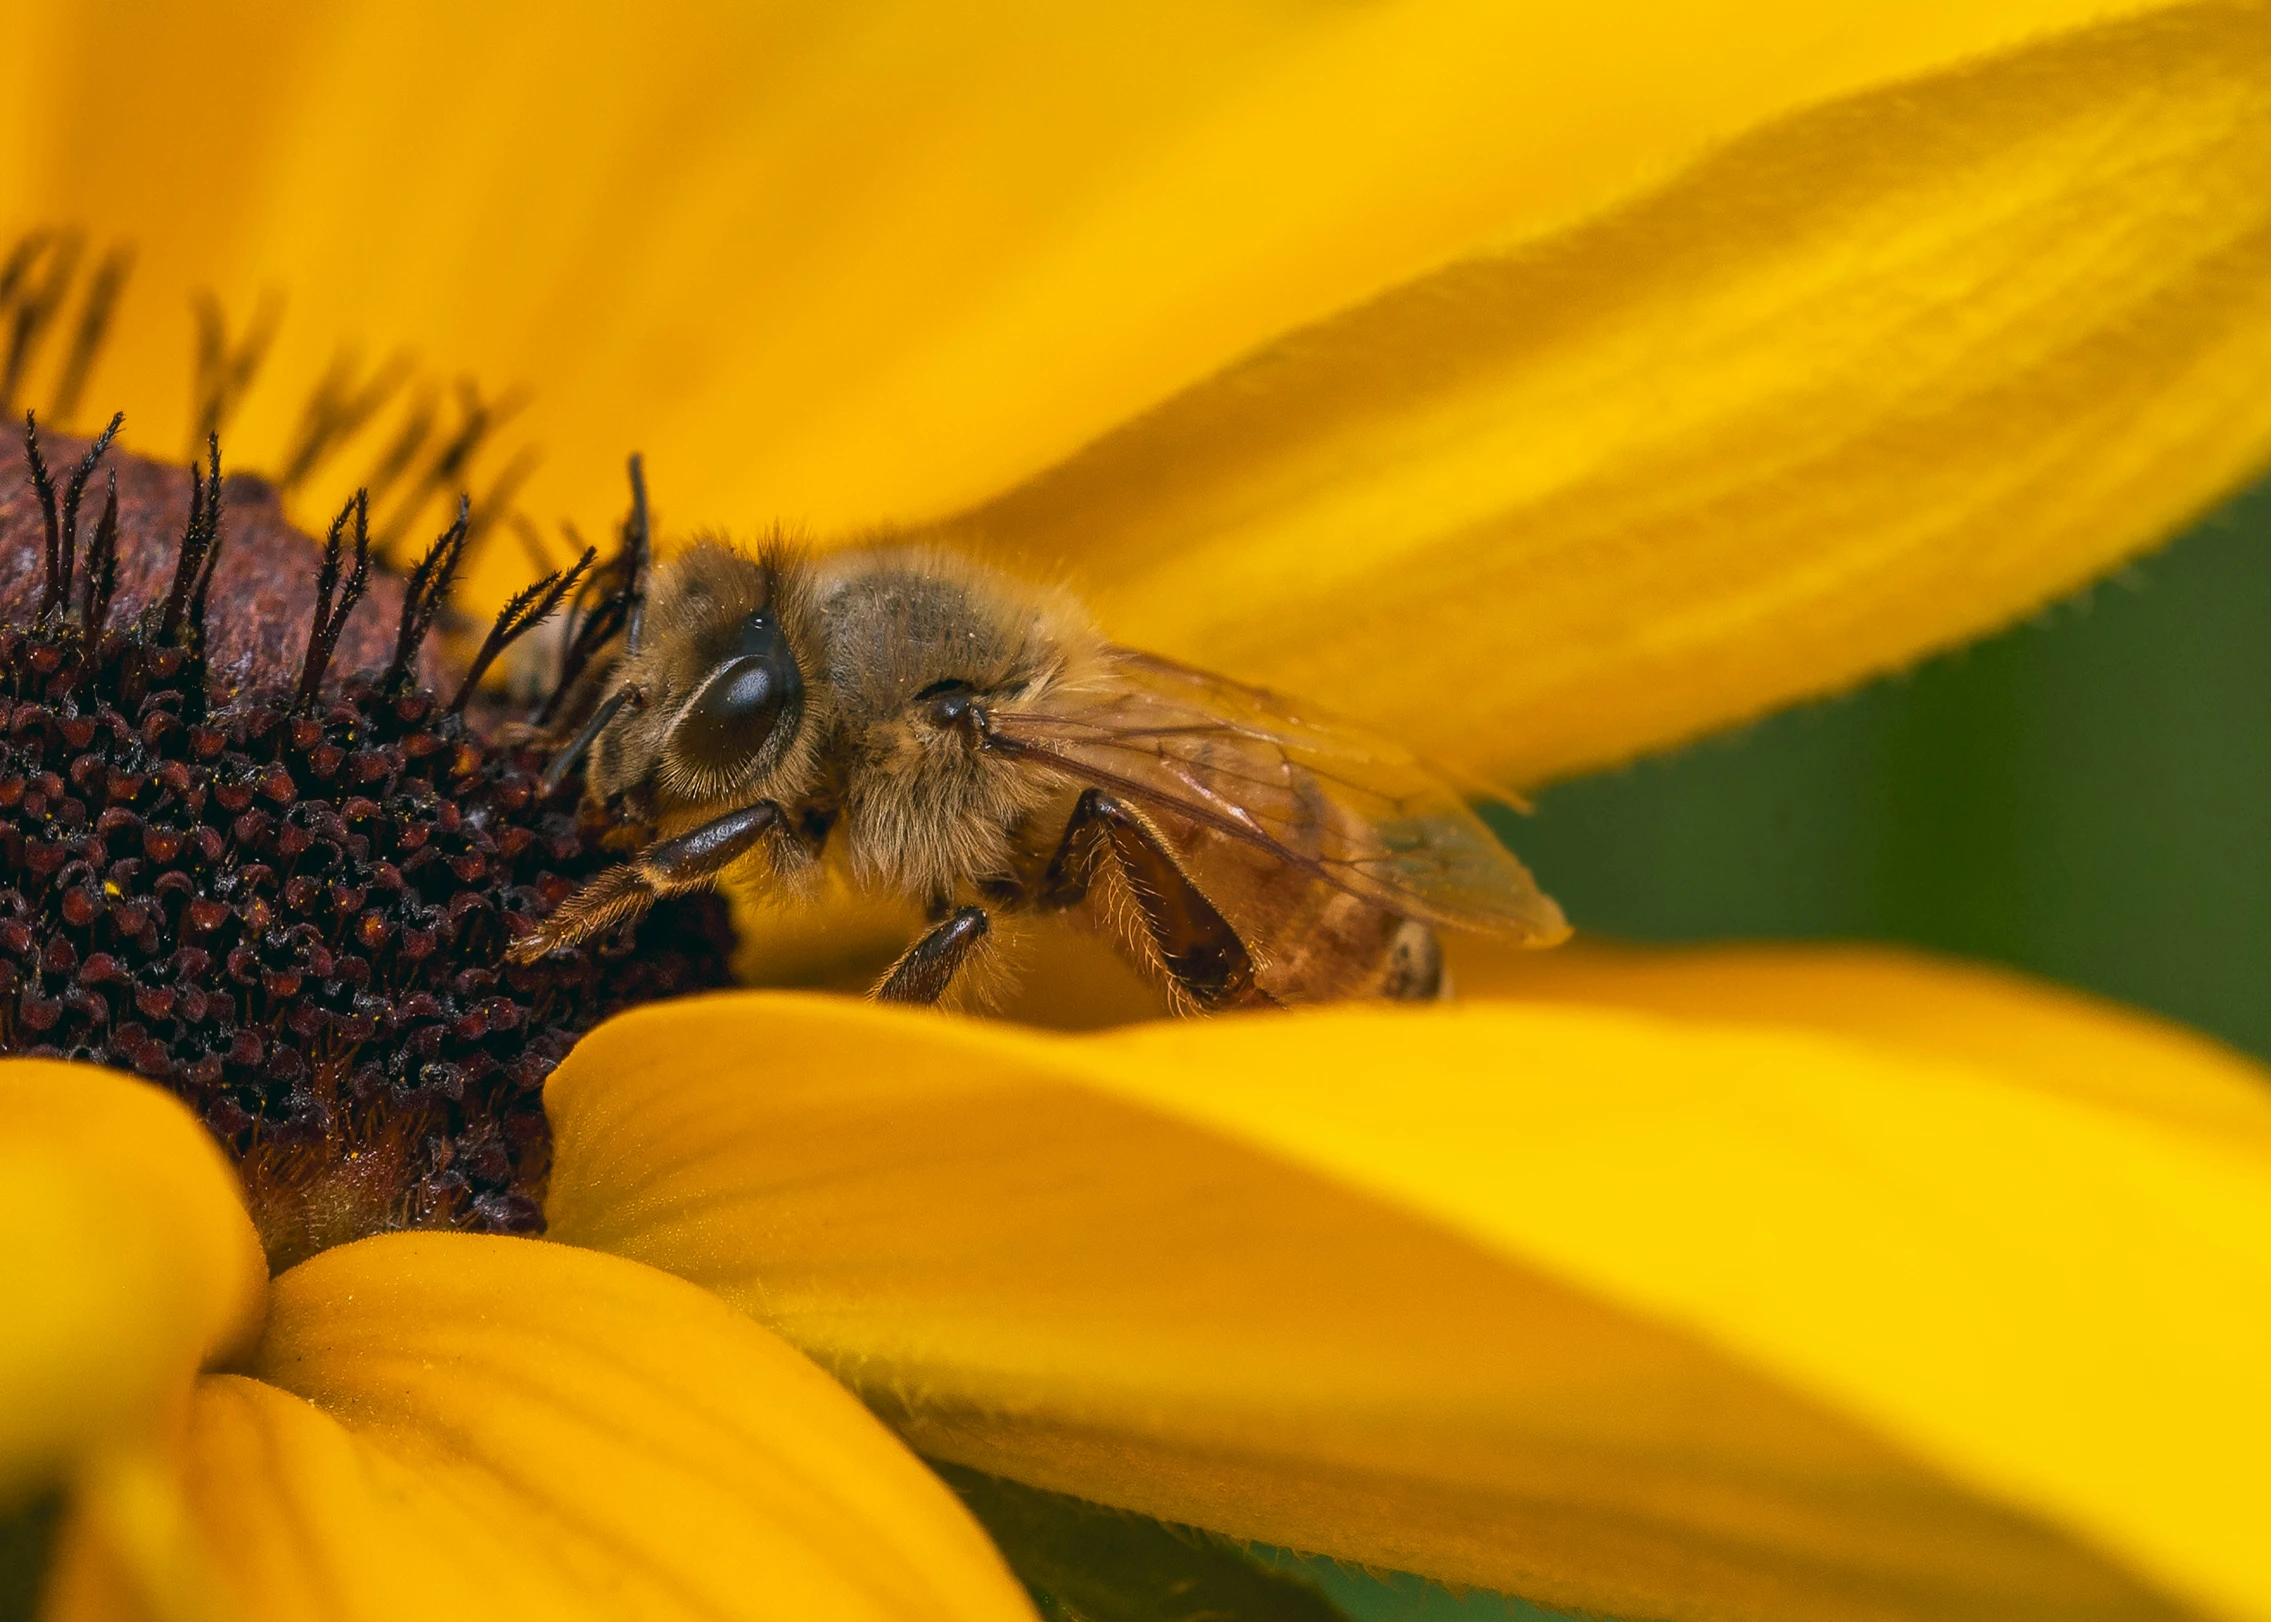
{"x": 929, "y": 966}
{"x": 1192, "y": 943}
{"x": 666, "y": 867}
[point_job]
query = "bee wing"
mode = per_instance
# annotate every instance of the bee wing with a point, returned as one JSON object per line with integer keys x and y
{"x": 1352, "y": 809}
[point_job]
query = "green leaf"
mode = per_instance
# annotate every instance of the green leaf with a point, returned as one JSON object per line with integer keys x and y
{"x": 1084, "y": 1562}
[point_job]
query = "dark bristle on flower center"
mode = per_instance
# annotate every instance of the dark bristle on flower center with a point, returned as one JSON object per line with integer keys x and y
{"x": 257, "y": 845}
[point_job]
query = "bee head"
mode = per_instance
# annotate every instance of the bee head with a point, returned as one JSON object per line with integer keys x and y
{"x": 728, "y": 723}
{"x": 718, "y": 700}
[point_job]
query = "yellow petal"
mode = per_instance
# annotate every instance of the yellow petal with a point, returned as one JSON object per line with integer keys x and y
{"x": 130, "y": 1552}
{"x": 129, "y": 1261}
{"x": 1872, "y": 381}
{"x": 448, "y": 1424}
{"x": 1642, "y": 1315}
{"x": 832, "y": 264}
{"x": 2029, "y": 1031}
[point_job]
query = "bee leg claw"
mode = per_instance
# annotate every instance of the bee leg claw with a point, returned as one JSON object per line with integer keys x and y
{"x": 620, "y": 894}
{"x": 929, "y": 966}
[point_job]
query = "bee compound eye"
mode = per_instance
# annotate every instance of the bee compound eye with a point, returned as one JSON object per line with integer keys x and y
{"x": 733, "y": 716}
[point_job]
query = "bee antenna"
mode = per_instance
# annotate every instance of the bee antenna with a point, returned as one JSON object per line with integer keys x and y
{"x": 527, "y": 610}
{"x": 564, "y": 762}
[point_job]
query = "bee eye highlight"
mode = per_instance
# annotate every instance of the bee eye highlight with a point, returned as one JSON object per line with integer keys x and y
{"x": 731, "y": 719}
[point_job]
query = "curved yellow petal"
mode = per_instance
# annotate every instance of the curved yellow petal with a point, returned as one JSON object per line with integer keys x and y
{"x": 129, "y": 1262}
{"x": 2029, "y": 1031}
{"x": 130, "y": 1551}
{"x": 832, "y": 264}
{"x": 1608, "y": 1309}
{"x": 449, "y": 1424}
{"x": 1872, "y": 381}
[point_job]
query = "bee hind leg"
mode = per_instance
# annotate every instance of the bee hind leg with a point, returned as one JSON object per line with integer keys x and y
{"x": 929, "y": 966}
{"x": 668, "y": 866}
{"x": 1187, "y": 939}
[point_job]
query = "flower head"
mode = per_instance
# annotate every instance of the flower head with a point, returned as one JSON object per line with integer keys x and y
{"x": 282, "y": 890}
{"x": 1342, "y": 351}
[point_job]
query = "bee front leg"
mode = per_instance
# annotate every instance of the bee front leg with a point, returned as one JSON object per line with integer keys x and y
{"x": 666, "y": 867}
{"x": 930, "y": 965}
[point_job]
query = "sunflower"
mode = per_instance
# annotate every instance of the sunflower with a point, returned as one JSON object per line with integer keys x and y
{"x": 1544, "y": 388}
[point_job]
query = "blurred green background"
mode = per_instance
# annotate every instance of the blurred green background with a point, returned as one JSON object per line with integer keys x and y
{"x": 2086, "y": 797}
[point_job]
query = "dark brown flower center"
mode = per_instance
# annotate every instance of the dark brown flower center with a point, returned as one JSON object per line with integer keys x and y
{"x": 284, "y": 897}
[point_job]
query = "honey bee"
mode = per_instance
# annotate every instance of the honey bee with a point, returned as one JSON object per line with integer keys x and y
{"x": 972, "y": 742}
